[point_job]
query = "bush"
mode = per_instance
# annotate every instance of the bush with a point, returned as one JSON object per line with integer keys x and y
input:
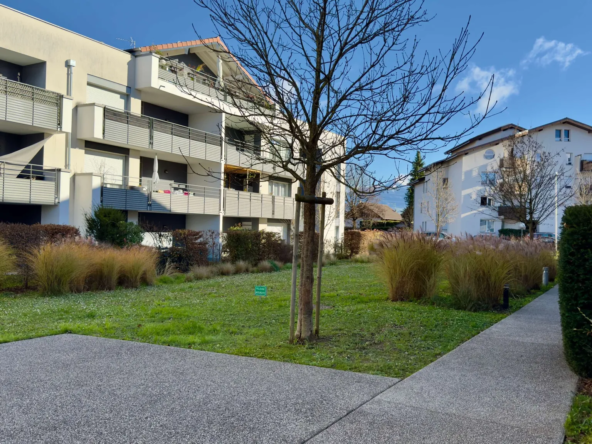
{"x": 138, "y": 266}
{"x": 512, "y": 232}
{"x": 56, "y": 233}
{"x": 575, "y": 284}
{"x": 188, "y": 249}
{"x": 243, "y": 267}
{"x": 409, "y": 263}
{"x": 108, "y": 225}
{"x": 265, "y": 267}
{"x": 79, "y": 266}
{"x": 253, "y": 246}
{"x": 357, "y": 242}
{"x": 200, "y": 272}
{"x": 227, "y": 269}
{"x": 7, "y": 261}
{"x": 477, "y": 272}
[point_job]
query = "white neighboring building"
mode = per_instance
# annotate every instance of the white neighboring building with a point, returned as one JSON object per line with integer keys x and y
{"x": 466, "y": 168}
{"x": 96, "y": 143}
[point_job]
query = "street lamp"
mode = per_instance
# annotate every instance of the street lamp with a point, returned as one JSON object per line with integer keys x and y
{"x": 556, "y": 181}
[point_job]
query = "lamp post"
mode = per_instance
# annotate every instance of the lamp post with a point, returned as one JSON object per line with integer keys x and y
{"x": 556, "y": 191}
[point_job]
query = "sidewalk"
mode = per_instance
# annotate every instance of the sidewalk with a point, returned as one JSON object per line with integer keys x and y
{"x": 509, "y": 384}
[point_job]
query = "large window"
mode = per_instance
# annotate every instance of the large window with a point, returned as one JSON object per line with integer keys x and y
{"x": 487, "y": 225}
{"x": 487, "y": 178}
{"x": 279, "y": 189}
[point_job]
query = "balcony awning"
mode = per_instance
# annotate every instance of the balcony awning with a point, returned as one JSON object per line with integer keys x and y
{"x": 22, "y": 157}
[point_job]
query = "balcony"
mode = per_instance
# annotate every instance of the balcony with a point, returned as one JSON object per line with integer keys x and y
{"x": 32, "y": 106}
{"x": 103, "y": 124}
{"x": 245, "y": 204}
{"x": 124, "y": 193}
{"x": 28, "y": 184}
{"x": 248, "y": 156}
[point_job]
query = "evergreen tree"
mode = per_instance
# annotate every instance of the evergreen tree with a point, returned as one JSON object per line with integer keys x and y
{"x": 415, "y": 174}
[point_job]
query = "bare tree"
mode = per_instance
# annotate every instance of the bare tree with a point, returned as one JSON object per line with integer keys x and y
{"x": 583, "y": 189}
{"x": 441, "y": 205}
{"x": 521, "y": 186}
{"x": 336, "y": 81}
{"x": 359, "y": 193}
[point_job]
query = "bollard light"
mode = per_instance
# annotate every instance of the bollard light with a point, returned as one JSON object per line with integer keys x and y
{"x": 506, "y": 303}
{"x": 545, "y": 276}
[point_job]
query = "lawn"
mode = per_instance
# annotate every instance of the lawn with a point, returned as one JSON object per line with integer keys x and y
{"x": 360, "y": 329}
{"x": 578, "y": 426}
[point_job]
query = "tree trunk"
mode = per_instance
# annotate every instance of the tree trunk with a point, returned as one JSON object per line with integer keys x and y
{"x": 305, "y": 303}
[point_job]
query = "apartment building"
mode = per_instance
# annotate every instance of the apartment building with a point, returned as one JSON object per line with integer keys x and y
{"x": 85, "y": 124}
{"x": 468, "y": 167}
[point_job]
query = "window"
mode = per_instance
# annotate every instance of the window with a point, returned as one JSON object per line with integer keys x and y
{"x": 279, "y": 189}
{"x": 557, "y": 135}
{"x": 537, "y": 157}
{"x": 566, "y": 135}
{"x": 424, "y": 226}
{"x": 425, "y": 186}
{"x": 487, "y": 225}
{"x": 421, "y": 207}
{"x": 487, "y": 178}
{"x": 445, "y": 182}
{"x": 486, "y": 201}
{"x": 569, "y": 158}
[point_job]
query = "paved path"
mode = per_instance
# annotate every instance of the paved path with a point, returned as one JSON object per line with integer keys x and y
{"x": 509, "y": 384}
{"x": 81, "y": 389}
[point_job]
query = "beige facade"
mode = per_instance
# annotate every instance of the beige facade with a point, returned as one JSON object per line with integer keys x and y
{"x": 124, "y": 110}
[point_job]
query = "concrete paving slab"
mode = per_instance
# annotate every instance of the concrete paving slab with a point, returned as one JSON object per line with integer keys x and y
{"x": 387, "y": 422}
{"x": 508, "y": 384}
{"x": 73, "y": 388}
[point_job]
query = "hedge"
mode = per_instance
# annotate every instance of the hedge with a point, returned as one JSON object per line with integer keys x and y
{"x": 512, "y": 232}
{"x": 189, "y": 248}
{"x": 575, "y": 287}
{"x": 358, "y": 242}
{"x": 254, "y": 246}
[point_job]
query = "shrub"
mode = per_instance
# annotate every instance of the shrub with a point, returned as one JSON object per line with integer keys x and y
{"x": 242, "y": 267}
{"x": 108, "y": 225}
{"x": 138, "y": 266}
{"x": 227, "y": 269}
{"x": 56, "y": 233}
{"x": 200, "y": 272}
{"x": 511, "y": 232}
{"x": 60, "y": 268}
{"x": 106, "y": 267}
{"x": 188, "y": 249}
{"x": 7, "y": 261}
{"x": 265, "y": 267}
{"x": 360, "y": 242}
{"x": 477, "y": 272}
{"x": 253, "y": 246}
{"x": 409, "y": 263}
{"x": 23, "y": 239}
{"x": 575, "y": 282}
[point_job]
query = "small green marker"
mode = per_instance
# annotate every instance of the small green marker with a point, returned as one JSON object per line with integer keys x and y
{"x": 260, "y": 290}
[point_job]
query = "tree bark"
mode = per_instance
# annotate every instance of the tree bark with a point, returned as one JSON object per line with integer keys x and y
{"x": 304, "y": 329}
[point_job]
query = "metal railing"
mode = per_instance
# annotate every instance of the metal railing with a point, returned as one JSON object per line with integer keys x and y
{"x": 30, "y": 105}
{"x": 148, "y": 132}
{"x": 245, "y": 204}
{"x": 243, "y": 154}
{"x": 182, "y": 75}
{"x": 140, "y": 194}
{"x": 28, "y": 184}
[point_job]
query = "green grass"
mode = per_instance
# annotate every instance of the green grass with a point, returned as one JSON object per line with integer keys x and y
{"x": 578, "y": 426}
{"x": 360, "y": 329}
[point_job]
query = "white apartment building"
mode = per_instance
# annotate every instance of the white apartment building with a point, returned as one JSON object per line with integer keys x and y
{"x": 468, "y": 166}
{"x": 66, "y": 149}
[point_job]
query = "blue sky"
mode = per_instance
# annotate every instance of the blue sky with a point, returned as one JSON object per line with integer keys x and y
{"x": 540, "y": 51}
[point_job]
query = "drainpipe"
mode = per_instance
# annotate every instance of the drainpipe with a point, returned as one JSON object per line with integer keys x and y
{"x": 70, "y": 64}
{"x": 220, "y": 81}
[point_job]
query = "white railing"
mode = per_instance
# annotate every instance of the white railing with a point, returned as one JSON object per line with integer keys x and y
{"x": 139, "y": 194}
{"x": 245, "y": 204}
{"x": 28, "y": 184}
{"x": 30, "y": 105}
{"x": 148, "y": 132}
{"x": 182, "y": 75}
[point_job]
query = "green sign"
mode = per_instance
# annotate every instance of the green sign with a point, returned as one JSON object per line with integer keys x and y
{"x": 260, "y": 290}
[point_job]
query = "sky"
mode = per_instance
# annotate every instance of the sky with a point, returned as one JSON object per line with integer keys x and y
{"x": 540, "y": 51}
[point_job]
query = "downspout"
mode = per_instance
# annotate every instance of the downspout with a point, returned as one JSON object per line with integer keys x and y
{"x": 70, "y": 64}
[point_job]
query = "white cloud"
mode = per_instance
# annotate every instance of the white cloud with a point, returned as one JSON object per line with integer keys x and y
{"x": 544, "y": 52}
{"x": 477, "y": 80}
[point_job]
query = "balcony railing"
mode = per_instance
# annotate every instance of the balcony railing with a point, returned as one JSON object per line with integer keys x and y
{"x": 242, "y": 154}
{"x": 28, "y": 184}
{"x": 182, "y": 75}
{"x": 128, "y": 193}
{"x": 245, "y": 204}
{"x": 30, "y": 105}
{"x": 147, "y": 132}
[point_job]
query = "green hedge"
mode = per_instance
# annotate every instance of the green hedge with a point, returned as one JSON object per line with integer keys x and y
{"x": 512, "y": 232}
{"x": 575, "y": 287}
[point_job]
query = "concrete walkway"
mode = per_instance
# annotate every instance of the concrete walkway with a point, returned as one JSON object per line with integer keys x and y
{"x": 509, "y": 384}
